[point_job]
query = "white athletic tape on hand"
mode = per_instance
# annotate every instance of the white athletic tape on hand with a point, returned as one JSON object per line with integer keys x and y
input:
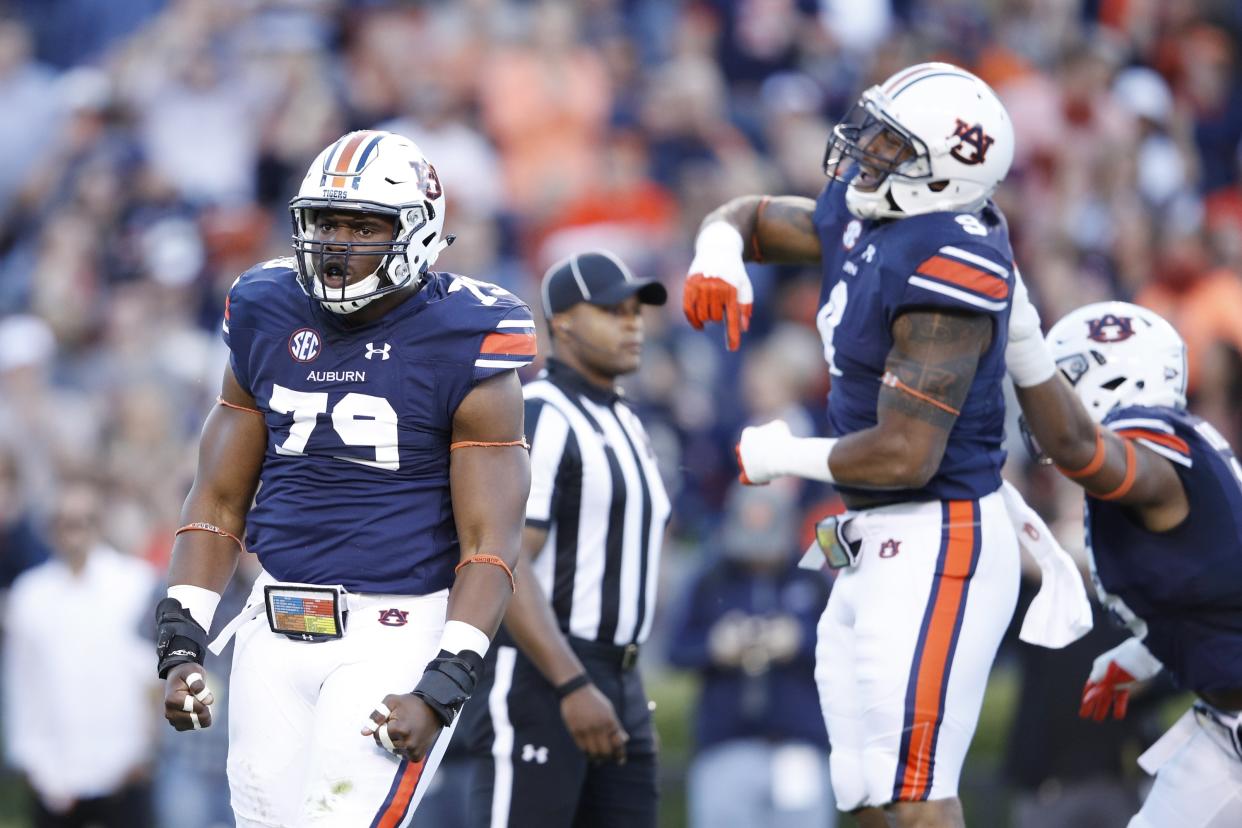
{"x": 203, "y": 695}
{"x": 384, "y": 738}
{"x": 188, "y": 707}
{"x": 383, "y": 711}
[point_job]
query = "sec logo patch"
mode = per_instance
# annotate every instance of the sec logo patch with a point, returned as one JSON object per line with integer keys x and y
{"x": 304, "y": 345}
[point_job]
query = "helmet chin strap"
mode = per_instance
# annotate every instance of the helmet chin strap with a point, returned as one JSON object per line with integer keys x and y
{"x": 355, "y": 297}
{"x": 439, "y": 248}
{"x": 346, "y": 304}
{"x": 872, "y": 205}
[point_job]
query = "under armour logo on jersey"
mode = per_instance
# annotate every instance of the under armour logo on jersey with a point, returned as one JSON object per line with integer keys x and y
{"x": 973, "y": 137}
{"x": 1110, "y": 328}
{"x": 530, "y": 753}
{"x": 382, "y": 353}
{"x": 890, "y": 548}
{"x": 394, "y": 617}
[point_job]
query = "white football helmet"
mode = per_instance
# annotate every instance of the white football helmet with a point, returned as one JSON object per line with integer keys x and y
{"x": 369, "y": 172}
{"x": 933, "y": 137}
{"x": 1118, "y": 354}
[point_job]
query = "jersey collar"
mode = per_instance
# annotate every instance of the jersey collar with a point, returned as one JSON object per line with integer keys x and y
{"x": 566, "y": 378}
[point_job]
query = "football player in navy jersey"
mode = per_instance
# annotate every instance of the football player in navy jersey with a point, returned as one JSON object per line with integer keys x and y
{"x": 1164, "y": 534}
{"x": 368, "y": 446}
{"x": 917, "y": 274}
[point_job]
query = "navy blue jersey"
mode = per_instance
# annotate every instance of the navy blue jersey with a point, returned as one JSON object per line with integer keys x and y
{"x": 876, "y": 270}
{"x": 354, "y": 488}
{"x": 1184, "y": 585}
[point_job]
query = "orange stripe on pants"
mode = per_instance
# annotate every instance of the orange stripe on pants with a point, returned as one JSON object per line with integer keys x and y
{"x": 934, "y": 660}
{"x": 395, "y": 812}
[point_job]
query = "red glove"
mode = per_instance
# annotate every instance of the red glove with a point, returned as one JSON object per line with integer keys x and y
{"x": 1112, "y": 677}
{"x": 717, "y": 288}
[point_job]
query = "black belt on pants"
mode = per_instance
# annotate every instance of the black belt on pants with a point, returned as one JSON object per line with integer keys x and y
{"x": 623, "y": 657}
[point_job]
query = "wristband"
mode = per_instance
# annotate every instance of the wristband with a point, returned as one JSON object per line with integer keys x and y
{"x": 178, "y": 637}
{"x": 768, "y": 451}
{"x": 459, "y": 636}
{"x": 199, "y": 602}
{"x": 1029, "y": 362}
{"x": 576, "y": 683}
{"x": 806, "y": 457}
{"x": 719, "y": 239}
{"x": 448, "y": 682}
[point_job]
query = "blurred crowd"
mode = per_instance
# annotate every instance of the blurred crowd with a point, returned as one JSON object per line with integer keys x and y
{"x": 151, "y": 147}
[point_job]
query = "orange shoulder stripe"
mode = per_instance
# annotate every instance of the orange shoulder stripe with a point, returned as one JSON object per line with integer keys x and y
{"x": 1168, "y": 440}
{"x": 964, "y": 276}
{"x": 522, "y": 344}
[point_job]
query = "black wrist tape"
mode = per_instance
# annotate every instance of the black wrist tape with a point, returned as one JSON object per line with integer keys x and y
{"x": 448, "y": 681}
{"x": 179, "y": 639}
{"x": 576, "y": 683}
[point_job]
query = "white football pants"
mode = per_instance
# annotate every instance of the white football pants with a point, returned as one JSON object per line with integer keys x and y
{"x": 906, "y": 643}
{"x": 296, "y": 709}
{"x": 1198, "y": 779}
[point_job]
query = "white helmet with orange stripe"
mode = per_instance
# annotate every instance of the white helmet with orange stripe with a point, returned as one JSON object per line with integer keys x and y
{"x": 368, "y": 172}
{"x": 931, "y": 138}
{"x": 1117, "y": 354}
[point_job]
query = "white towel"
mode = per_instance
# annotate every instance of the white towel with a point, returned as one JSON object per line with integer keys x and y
{"x": 1060, "y": 614}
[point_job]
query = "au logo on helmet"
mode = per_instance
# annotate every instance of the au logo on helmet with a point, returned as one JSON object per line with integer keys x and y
{"x": 1110, "y": 328}
{"x": 974, "y": 138}
{"x": 428, "y": 180}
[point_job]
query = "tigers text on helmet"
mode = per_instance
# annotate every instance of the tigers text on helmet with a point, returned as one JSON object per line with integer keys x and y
{"x": 369, "y": 172}
{"x": 931, "y": 138}
{"x": 1118, "y": 354}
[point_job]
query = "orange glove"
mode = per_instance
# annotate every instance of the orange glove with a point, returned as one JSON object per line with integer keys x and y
{"x": 1113, "y": 675}
{"x": 717, "y": 288}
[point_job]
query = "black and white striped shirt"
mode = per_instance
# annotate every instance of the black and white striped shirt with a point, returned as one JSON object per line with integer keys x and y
{"x": 595, "y": 487}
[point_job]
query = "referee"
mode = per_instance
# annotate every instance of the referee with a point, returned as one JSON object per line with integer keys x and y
{"x": 560, "y": 724}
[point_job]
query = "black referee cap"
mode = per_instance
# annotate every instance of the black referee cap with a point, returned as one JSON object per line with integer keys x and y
{"x": 598, "y": 277}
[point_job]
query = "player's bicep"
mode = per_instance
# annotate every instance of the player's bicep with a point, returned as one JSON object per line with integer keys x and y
{"x": 928, "y": 374}
{"x": 489, "y": 470}
{"x": 230, "y": 450}
{"x": 785, "y": 231}
{"x": 232, "y": 392}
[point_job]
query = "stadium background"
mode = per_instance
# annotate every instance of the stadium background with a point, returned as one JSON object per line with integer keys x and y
{"x": 149, "y": 149}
